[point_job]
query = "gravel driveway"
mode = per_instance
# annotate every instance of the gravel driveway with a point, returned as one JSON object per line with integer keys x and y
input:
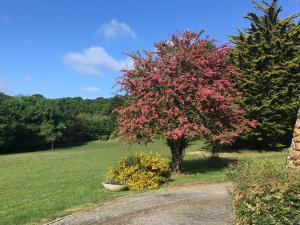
{"x": 191, "y": 204}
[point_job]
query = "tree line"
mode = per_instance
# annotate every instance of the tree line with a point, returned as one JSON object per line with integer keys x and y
{"x": 34, "y": 122}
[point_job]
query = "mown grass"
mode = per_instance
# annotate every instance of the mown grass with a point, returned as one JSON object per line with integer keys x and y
{"x": 40, "y": 186}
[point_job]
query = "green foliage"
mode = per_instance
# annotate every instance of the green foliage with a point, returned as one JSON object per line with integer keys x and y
{"x": 264, "y": 193}
{"x": 245, "y": 171}
{"x": 52, "y": 132}
{"x": 140, "y": 171}
{"x": 267, "y": 54}
{"x": 97, "y": 125}
{"x": 113, "y": 135}
{"x": 28, "y": 122}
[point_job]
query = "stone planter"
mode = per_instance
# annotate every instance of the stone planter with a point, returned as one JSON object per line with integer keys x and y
{"x": 114, "y": 187}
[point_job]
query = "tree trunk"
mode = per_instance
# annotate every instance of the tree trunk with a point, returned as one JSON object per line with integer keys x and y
{"x": 215, "y": 149}
{"x": 177, "y": 148}
{"x": 52, "y": 145}
{"x": 293, "y": 160}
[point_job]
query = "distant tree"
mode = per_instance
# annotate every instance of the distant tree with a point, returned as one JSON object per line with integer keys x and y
{"x": 113, "y": 104}
{"x": 52, "y": 132}
{"x": 6, "y": 121}
{"x": 181, "y": 90}
{"x": 267, "y": 55}
{"x": 97, "y": 125}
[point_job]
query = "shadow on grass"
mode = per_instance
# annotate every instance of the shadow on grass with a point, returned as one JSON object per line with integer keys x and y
{"x": 43, "y": 147}
{"x": 205, "y": 165}
{"x": 240, "y": 147}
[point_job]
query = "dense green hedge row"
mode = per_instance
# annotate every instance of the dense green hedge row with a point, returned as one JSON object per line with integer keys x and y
{"x": 26, "y": 122}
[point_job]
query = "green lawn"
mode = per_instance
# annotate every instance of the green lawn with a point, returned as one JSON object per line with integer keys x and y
{"x": 39, "y": 186}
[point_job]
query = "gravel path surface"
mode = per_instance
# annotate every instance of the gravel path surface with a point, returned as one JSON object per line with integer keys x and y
{"x": 191, "y": 204}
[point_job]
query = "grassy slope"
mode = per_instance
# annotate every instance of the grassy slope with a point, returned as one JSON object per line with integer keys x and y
{"x": 53, "y": 183}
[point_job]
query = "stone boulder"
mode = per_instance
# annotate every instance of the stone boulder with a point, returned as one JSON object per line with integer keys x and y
{"x": 294, "y": 151}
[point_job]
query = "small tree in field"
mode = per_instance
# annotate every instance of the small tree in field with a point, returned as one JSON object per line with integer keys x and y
{"x": 182, "y": 89}
{"x": 52, "y": 132}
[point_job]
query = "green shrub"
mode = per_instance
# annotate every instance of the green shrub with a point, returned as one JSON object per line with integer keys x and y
{"x": 246, "y": 171}
{"x": 113, "y": 135}
{"x": 103, "y": 137}
{"x": 264, "y": 193}
{"x": 140, "y": 171}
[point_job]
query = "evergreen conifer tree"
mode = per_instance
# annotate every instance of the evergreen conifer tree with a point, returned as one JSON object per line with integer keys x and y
{"x": 267, "y": 55}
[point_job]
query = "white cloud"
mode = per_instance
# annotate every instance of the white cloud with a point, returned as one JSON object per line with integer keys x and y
{"x": 26, "y": 78}
{"x": 91, "y": 89}
{"x": 92, "y": 60}
{"x": 115, "y": 29}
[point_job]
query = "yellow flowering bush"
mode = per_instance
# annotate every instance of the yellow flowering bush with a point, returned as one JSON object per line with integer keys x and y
{"x": 140, "y": 171}
{"x": 264, "y": 193}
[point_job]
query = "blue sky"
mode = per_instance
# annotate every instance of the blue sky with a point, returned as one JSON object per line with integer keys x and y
{"x": 67, "y": 48}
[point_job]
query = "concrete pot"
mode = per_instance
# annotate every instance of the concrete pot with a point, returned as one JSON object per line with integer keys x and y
{"x": 114, "y": 187}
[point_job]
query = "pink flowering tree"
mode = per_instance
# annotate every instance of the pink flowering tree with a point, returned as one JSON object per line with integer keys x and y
{"x": 182, "y": 89}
